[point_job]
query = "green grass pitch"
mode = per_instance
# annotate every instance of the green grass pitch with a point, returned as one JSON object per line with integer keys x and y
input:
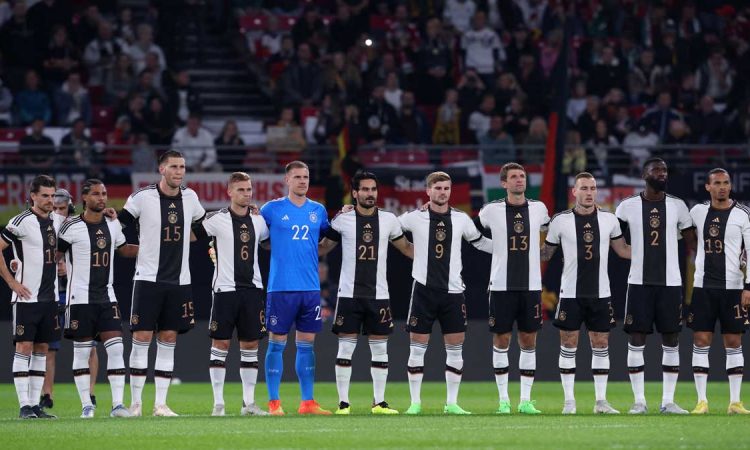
{"x": 196, "y": 429}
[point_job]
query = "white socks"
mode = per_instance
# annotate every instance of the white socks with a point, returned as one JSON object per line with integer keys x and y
{"x": 600, "y": 369}
{"x": 527, "y": 367}
{"x": 344, "y": 366}
{"x": 81, "y": 372}
{"x": 670, "y": 365}
{"x": 635, "y": 368}
{"x": 217, "y": 372}
{"x": 163, "y": 370}
{"x": 115, "y": 369}
{"x": 500, "y": 364}
{"x": 700, "y": 371}
{"x": 21, "y": 378}
{"x": 454, "y": 365}
{"x": 567, "y": 363}
{"x": 138, "y": 370}
{"x": 37, "y": 370}
{"x": 735, "y": 365}
{"x": 248, "y": 374}
{"x": 415, "y": 367}
{"x": 379, "y": 368}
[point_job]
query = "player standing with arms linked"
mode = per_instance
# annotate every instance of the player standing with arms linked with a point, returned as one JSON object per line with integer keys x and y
{"x": 655, "y": 220}
{"x": 162, "y": 296}
{"x": 721, "y": 291}
{"x": 295, "y": 224}
{"x": 585, "y": 234}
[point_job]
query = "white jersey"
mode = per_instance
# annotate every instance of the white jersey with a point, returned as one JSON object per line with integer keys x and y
{"x": 364, "y": 252}
{"x": 164, "y": 233}
{"x": 89, "y": 250}
{"x": 722, "y": 234}
{"x": 236, "y": 240}
{"x": 34, "y": 242}
{"x": 437, "y": 246}
{"x": 515, "y": 244}
{"x": 655, "y": 228}
{"x": 480, "y": 47}
{"x": 585, "y": 241}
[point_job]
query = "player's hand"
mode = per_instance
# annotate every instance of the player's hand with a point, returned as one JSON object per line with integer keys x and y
{"x": 425, "y": 207}
{"x": 110, "y": 213}
{"x": 212, "y": 254}
{"x": 22, "y": 291}
{"x": 745, "y": 302}
{"x": 15, "y": 265}
{"x": 347, "y": 208}
{"x": 254, "y": 209}
{"x": 61, "y": 270}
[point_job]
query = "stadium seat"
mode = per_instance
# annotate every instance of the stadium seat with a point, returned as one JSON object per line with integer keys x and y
{"x": 98, "y": 135}
{"x": 103, "y": 117}
{"x": 636, "y": 111}
{"x": 412, "y": 157}
{"x": 458, "y": 157}
{"x": 12, "y": 134}
{"x": 253, "y": 22}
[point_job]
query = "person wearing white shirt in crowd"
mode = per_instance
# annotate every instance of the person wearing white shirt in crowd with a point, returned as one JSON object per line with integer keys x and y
{"x": 482, "y": 47}
{"x": 143, "y": 46}
{"x": 196, "y": 144}
{"x": 393, "y": 91}
{"x": 459, "y": 13}
{"x": 101, "y": 53}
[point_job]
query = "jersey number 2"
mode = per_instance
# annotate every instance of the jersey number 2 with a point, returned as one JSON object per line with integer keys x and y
{"x": 297, "y": 229}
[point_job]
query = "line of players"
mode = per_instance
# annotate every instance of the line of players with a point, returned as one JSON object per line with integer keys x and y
{"x": 166, "y": 213}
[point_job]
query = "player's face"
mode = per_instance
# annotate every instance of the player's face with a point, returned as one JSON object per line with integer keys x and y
{"x": 367, "y": 195}
{"x": 43, "y": 199}
{"x": 585, "y": 192}
{"x": 61, "y": 208}
{"x": 440, "y": 193}
{"x": 96, "y": 199}
{"x": 515, "y": 182}
{"x": 241, "y": 193}
{"x": 298, "y": 181}
{"x": 173, "y": 171}
{"x": 655, "y": 175}
{"x": 719, "y": 186}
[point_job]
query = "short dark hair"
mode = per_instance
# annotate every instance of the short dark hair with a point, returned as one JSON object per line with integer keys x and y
{"x": 169, "y": 154}
{"x": 507, "y": 168}
{"x": 715, "y": 171}
{"x": 363, "y": 175}
{"x": 88, "y": 184}
{"x": 653, "y": 160}
{"x": 295, "y": 165}
{"x": 236, "y": 177}
{"x": 42, "y": 181}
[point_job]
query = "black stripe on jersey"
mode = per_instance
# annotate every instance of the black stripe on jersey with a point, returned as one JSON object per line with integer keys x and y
{"x": 68, "y": 223}
{"x": 654, "y": 241}
{"x": 587, "y": 246}
{"x": 439, "y": 250}
{"x": 519, "y": 243}
{"x": 49, "y": 271}
{"x": 143, "y": 189}
{"x": 172, "y": 234}
{"x": 101, "y": 257}
{"x": 715, "y": 263}
{"x": 17, "y": 221}
{"x": 244, "y": 250}
{"x": 367, "y": 229}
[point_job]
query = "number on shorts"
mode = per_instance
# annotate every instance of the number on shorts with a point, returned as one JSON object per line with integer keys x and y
{"x": 317, "y": 313}
{"x": 385, "y": 314}
{"x": 116, "y": 311}
{"x": 188, "y": 310}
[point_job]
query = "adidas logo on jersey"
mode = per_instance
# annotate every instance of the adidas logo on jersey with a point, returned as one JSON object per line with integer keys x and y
{"x": 717, "y": 220}
{"x": 49, "y": 228}
{"x": 286, "y": 217}
{"x": 441, "y": 224}
{"x": 172, "y": 205}
{"x": 367, "y": 226}
{"x": 588, "y": 225}
{"x": 243, "y": 226}
{"x": 98, "y": 232}
{"x": 519, "y": 216}
{"x": 655, "y": 211}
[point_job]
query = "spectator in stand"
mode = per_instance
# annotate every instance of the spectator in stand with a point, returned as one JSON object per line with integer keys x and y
{"x": 120, "y": 142}
{"x": 677, "y": 139}
{"x": 18, "y": 45}
{"x": 44, "y": 16}
{"x": 121, "y": 82}
{"x": 6, "y": 105}
{"x": 6, "y": 11}
{"x": 688, "y": 94}
{"x": 715, "y": 77}
{"x": 607, "y": 73}
{"x": 301, "y": 84}
{"x": 87, "y": 25}
{"x": 32, "y": 102}
{"x": 505, "y": 89}
{"x": 380, "y": 118}
{"x": 603, "y": 149}
{"x": 61, "y": 58}
{"x": 413, "y": 125}
{"x": 471, "y": 91}
{"x": 342, "y": 80}
{"x": 707, "y": 125}
{"x": 145, "y": 86}
{"x": 101, "y": 53}
{"x": 402, "y": 33}
{"x": 675, "y": 52}
{"x": 639, "y": 144}
{"x": 72, "y": 101}
{"x": 393, "y": 91}
{"x": 587, "y": 120}
{"x": 482, "y": 49}
{"x": 434, "y": 64}
{"x": 159, "y": 123}
{"x": 229, "y": 147}
{"x": 574, "y": 159}
{"x": 533, "y": 12}
{"x": 344, "y": 29}
{"x": 380, "y": 69}
{"x": 535, "y": 141}
{"x": 738, "y": 131}
{"x": 329, "y": 121}
{"x": 520, "y": 44}
{"x": 183, "y": 98}
{"x": 577, "y": 102}
{"x": 623, "y": 124}
{"x": 651, "y": 77}
{"x": 285, "y": 55}
{"x": 458, "y": 14}
{"x": 154, "y": 66}
{"x": 197, "y": 144}
{"x": 136, "y": 113}
{"x": 497, "y": 145}
{"x": 270, "y": 41}
{"x": 36, "y": 149}
{"x": 144, "y": 45}
{"x": 479, "y": 120}
{"x": 550, "y": 51}
{"x": 125, "y": 27}
{"x": 447, "y": 129}
{"x": 517, "y": 118}
{"x": 77, "y": 149}
{"x": 657, "y": 118}
{"x": 309, "y": 25}
{"x": 532, "y": 83}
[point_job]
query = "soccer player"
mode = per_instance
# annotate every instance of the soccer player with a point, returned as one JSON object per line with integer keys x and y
{"x": 295, "y": 224}
{"x": 88, "y": 243}
{"x": 655, "y": 220}
{"x": 363, "y": 300}
{"x": 585, "y": 234}
{"x": 721, "y": 291}
{"x": 238, "y": 300}
{"x": 437, "y": 293}
{"x": 515, "y": 223}
{"x": 33, "y": 236}
{"x": 162, "y": 298}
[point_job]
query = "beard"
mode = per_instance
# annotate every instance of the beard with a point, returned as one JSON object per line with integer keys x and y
{"x": 656, "y": 184}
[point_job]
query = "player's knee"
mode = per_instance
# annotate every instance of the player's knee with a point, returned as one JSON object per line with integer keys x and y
{"x": 168, "y": 336}
{"x": 346, "y": 347}
{"x": 24, "y": 348}
{"x": 704, "y": 339}
{"x": 501, "y": 340}
{"x": 454, "y": 356}
{"x": 527, "y": 341}
{"x": 249, "y": 345}
{"x": 40, "y": 347}
{"x": 731, "y": 341}
{"x": 220, "y": 344}
{"x": 670, "y": 340}
{"x": 637, "y": 339}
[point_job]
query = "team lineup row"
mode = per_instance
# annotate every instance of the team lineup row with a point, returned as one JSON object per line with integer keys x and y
{"x": 168, "y": 216}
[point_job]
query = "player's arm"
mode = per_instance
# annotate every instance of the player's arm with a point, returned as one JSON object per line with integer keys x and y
{"x": 198, "y": 231}
{"x": 473, "y": 236}
{"x": 404, "y": 246}
{"x": 265, "y": 245}
{"x": 17, "y": 287}
{"x": 551, "y": 242}
{"x": 128, "y": 250}
{"x": 326, "y": 245}
{"x": 547, "y": 250}
{"x": 622, "y": 249}
{"x": 691, "y": 240}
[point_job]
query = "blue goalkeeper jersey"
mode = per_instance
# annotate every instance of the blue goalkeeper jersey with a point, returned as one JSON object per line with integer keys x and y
{"x": 294, "y": 233}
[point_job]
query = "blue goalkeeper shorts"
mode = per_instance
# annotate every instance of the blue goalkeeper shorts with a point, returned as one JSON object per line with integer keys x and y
{"x": 301, "y": 308}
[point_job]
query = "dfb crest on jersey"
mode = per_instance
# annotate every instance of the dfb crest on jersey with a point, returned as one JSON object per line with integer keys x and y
{"x": 714, "y": 230}
{"x": 367, "y": 236}
{"x": 518, "y": 227}
{"x": 172, "y": 217}
{"x": 654, "y": 222}
{"x": 51, "y": 239}
{"x": 313, "y": 217}
{"x": 440, "y": 235}
{"x": 19, "y": 330}
{"x": 690, "y": 318}
{"x": 244, "y": 236}
{"x": 588, "y": 237}
{"x": 629, "y": 319}
{"x": 101, "y": 242}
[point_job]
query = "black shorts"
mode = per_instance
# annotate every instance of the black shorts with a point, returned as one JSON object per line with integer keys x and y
{"x": 363, "y": 315}
{"x": 428, "y": 305}
{"x": 646, "y": 306}
{"x": 161, "y": 306}
{"x": 35, "y": 322}
{"x": 87, "y": 321}
{"x": 244, "y": 310}
{"x": 709, "y": 305}
{"x": 522, "y": 307}
{"x": 596, "y": 313}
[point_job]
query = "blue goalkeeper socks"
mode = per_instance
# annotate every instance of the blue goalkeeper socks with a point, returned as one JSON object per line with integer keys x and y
{"x": 305, "y": 366}
{"x": 274, "y": 367}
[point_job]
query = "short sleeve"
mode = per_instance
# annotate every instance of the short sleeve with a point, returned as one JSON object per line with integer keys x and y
{"x": 12, "y": 232}
{"x": 133, "y": 205}
{"x": 553, "y": 233}
{"x": 119, "y": 237}
{"x": 266, "y": 213}
{"x": 209, "y": 224}
{"x": 471, "y": 232}
{"x": 484, "y": 216}
{"x": 198, "y": 211}
{"x": 544, "y": 215}
{"x": 395, "y": 228}
{"x": 620, "y": 212}
{"x": 324, "y": 224}
{"x": 63, "y": 245}
{"x": 405, "y": 221}
{"x": 684, "y": 220}
{"x": 616, "y": 232}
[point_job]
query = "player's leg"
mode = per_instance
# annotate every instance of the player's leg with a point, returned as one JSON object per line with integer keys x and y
{"x": 639, "y": 318}
{"x": 111, "y": 336}
{"x": 378, "y": 325}
{"x": 308, "y": 323}
{"x": 734, "y": 321}
{"x": 453, "y": 321}
{"x": 421, "y": 316}
{"x": 599, "y": 316}
{"x": 702, "y": 320}
{"x": 48, "y": 387}
{"x": 501, "y": 317}
{"x": 251, "y": 327}
{"x": 529, "y": 320}
{"x": 347, "y": 323}
{"x": 568, "y": 319}
{"x": 146, "y": 303}
{"x": 94, "y": 367}
{"x": 47, "y": 330}
{"x": 669, "y": 323}
{"x": 166, "y": 342}
{"x": 249, "y": 377}
{"x": 21, "y": 360}
{"x": 225, "y": 311}
{"x": 279, "y": 317}
{"x": 217, "y": 372}
{"x": 82, "y": 372}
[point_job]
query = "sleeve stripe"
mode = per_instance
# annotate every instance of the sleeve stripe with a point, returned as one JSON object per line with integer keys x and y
{"x": 477, "y": 239}
{"x": 398, "y": 237}
{"x": 551, "y": 243}
{"x": 619, "y": 236}
{"x": 17, "y": 221}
